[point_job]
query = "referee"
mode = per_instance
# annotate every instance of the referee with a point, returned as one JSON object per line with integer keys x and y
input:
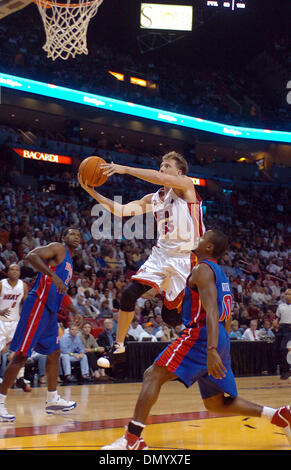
{"x": 284, "y": 334}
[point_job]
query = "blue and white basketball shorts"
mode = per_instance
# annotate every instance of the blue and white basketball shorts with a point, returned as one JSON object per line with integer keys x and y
{"x": 36, "y": 330}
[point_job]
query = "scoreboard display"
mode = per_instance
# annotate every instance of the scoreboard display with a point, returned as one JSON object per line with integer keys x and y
{"x": 169, "y": 17}
{"x": 227, "y": 4}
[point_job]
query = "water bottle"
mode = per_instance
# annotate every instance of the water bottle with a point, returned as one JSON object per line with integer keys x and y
{"x": 35, "y": 380}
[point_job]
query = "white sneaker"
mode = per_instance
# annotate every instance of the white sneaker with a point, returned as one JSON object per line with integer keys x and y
{"x": 60, "y": 405}
{"x": 119, "y": 349}
{"x": 282, "y": 418}
{"x": 5, "y": 417}
{"x": 119, "y": 444}
{"x": 127, "y": 442}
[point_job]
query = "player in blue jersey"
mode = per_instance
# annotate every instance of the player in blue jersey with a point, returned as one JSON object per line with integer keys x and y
{"x": 202, "y": 353}
{"x": 37, "y": 328}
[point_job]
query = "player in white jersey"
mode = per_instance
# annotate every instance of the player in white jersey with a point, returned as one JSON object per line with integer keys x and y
{"x": 180, "y": 225}
{"x": 178, "y": 210}
{"x": 13, "y": 291}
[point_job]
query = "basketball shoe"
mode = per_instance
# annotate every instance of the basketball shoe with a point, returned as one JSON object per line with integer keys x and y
{"x": 115, "y": 355}
{"x": 127, "y": 442}
{"x": 5, "y": 417}
{"x": 59, "y": 405}
{"x": 282, "y": 418}
{"x": 24, "y": 384}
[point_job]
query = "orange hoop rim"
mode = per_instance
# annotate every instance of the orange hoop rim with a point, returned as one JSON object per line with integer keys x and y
{"x": 49, "y": 3}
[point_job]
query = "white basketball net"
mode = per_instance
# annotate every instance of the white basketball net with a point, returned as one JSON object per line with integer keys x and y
{"x": 66, "y": 26}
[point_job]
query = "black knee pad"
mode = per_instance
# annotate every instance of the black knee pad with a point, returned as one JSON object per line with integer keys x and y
{"x": 130, "y": 295}
{"x": 171, "y": 317}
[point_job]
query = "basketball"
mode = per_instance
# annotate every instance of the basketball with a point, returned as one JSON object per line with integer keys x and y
{"x": 91, "y": 172}
{"x": 103, "y": 362}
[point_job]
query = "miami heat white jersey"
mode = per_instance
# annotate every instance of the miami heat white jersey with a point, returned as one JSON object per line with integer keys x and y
{"x": 10, "y": 298}
{"x": 180, "y": 223}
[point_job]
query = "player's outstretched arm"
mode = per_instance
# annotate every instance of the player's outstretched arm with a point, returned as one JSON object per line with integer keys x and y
{"x": 181, "y": 182}
{"x": 137, "y": 207}
{"x": 53, "y": 251}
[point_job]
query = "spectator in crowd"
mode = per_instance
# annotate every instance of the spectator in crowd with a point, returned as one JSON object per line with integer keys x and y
{"x": 266, "y": 297}
{"x": 9, "y": 253}
{"x": 92, "y": 311}
{"x": 115, "y": 317}
{"x": 244, "y": 320}
{"x": 158, "y": 323}
{"x": 167, "y": 335}
{"x": 106, "y": 338}
{"x": 251, "y": 333}
{"x": 28, "y": 242}
{"x": 265, "y": 332}
{"x": 235, "y": 333}
{"x": 81, "y": 305}
{"x": 135, "y": 329}
{"x": 72, "y": 351}
{"x": 237, "y": 271}
{"x": 147, "y": 335}
{"x": 85, "y": 287}
{"x": 73, "y": 294}
{"x": 105, "y": 310}
{"x": 276, "y": 290}
{"x": 257, "y": 296}
{"x": 146, "y": 310}
{"x": 158, "y": 307}
{"x": 93, "y": 352}
{"x": 254, "y": 268}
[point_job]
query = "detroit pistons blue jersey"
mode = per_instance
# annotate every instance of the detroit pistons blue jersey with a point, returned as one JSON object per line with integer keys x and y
{"x": 45, "y": 289}
{"x": 37, "y": 329}
{"x": 193, "y": 312}
{"x": 186, "y": 357}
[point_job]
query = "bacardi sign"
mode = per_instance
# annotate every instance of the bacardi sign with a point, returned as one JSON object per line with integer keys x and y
{"x": 44, "y": 157}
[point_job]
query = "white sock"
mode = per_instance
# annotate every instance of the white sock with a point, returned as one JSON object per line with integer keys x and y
{"x": 138, "y": 424}
{"x": 52, "y": 396}
{"x": 2, "y": 398}
{"x": 268, "y": 412}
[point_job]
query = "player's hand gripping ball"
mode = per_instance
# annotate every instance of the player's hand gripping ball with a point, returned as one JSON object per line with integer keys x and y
{"x": 91, "y": 173}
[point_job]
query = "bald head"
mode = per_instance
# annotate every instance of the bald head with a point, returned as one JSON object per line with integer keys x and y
{"x": 13, "y": 272}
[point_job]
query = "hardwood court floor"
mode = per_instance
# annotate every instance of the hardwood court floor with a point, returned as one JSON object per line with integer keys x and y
{"x": 178, "y": 421}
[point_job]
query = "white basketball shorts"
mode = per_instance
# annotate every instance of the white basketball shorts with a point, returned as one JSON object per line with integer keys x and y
{"x": 7, "y": 330}
{"x": 167, "y": 274}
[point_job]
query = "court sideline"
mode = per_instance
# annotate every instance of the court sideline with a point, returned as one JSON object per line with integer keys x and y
{"x": 178, "y": 421}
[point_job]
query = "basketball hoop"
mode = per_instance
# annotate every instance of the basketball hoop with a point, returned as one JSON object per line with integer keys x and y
{"x": 66, "y": 26}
